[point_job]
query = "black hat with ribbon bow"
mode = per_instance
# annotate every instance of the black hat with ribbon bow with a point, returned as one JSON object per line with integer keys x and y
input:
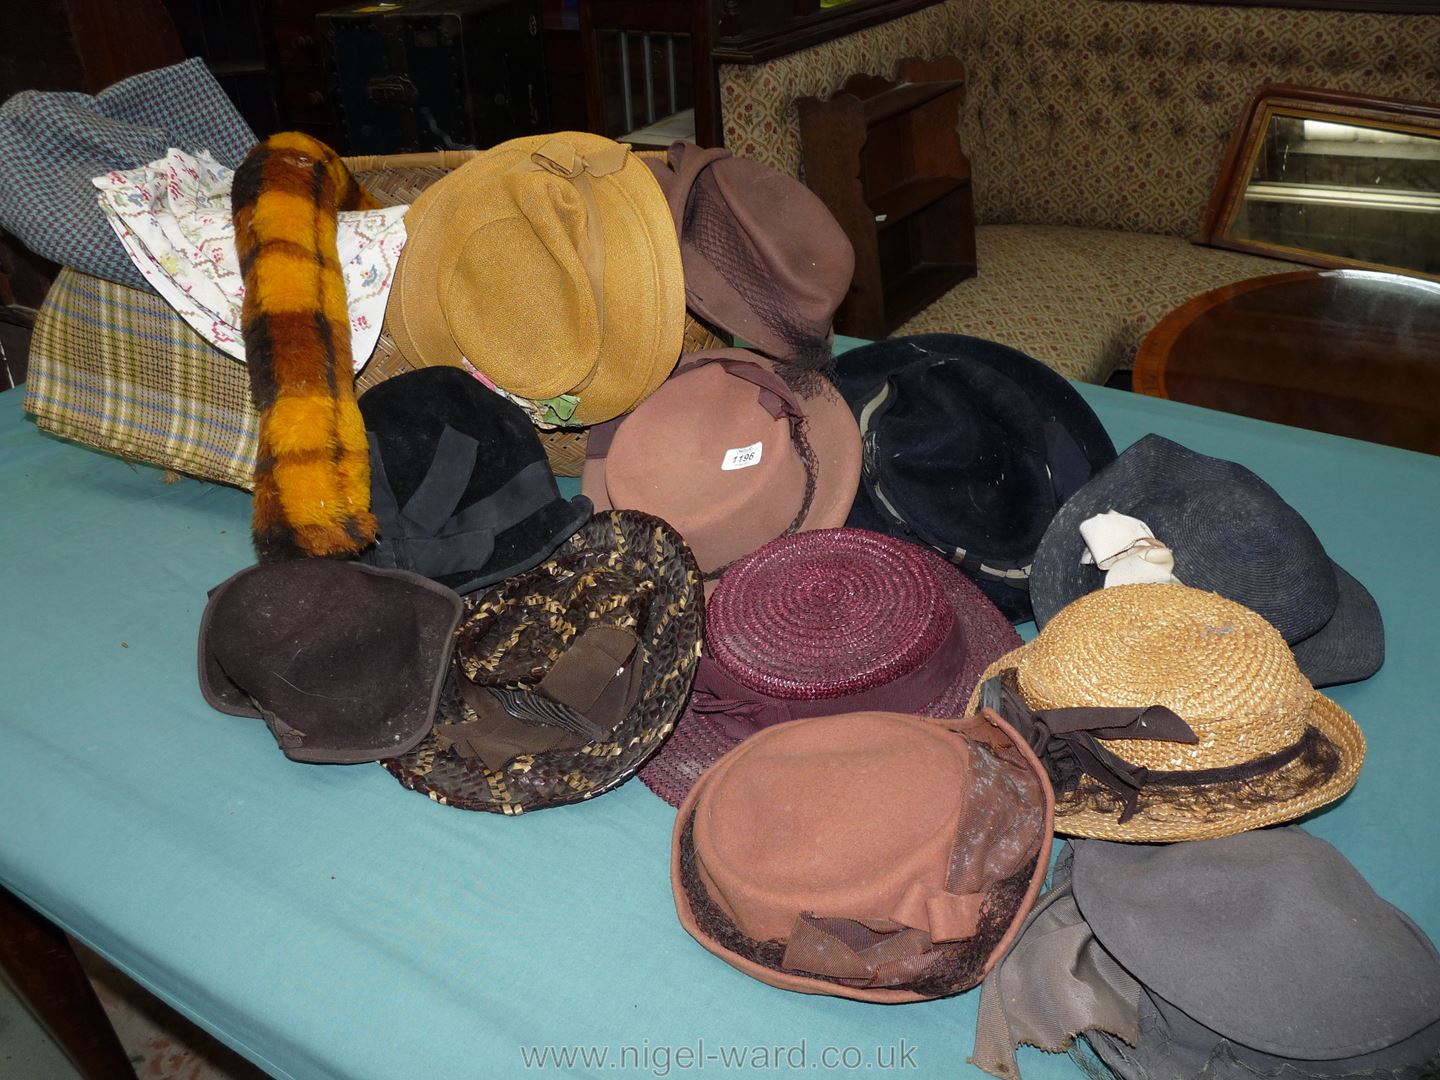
{"x": 970, "y": 448}
{"x": 459, "y": 481}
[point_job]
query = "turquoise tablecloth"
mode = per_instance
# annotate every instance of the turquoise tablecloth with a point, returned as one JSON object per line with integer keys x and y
{"x": 327, "y": 923}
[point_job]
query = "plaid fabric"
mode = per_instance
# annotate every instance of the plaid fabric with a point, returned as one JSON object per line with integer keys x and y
{"x": 116, "y": 368}
{"x": 53, "y": 143}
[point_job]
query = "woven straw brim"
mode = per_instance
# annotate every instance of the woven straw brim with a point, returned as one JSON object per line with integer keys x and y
{"x": 1156, "y": 821}
{"x": 649, "y": 552}
{"x": 400, "y": 179}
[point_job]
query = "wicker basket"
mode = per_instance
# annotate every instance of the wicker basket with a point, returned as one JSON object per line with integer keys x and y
{"x": 400, "y": 178}
{"x": 117, "y": 368}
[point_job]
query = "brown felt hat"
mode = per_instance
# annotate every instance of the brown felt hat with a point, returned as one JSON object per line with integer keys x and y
{"x": 551, "y": 264}
{"x": 873, "y": 856}
{"x": 731, "y": 456}
{"x": 765, "y": 260}
{"x": 1168, "y": 713}
{"x": 344, "y": 662}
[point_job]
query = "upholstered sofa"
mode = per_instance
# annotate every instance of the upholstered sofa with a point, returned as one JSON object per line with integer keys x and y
{"x": 1095, "y": 130}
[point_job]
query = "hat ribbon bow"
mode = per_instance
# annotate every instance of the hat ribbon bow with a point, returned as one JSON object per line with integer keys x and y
{"x": 426, "y": 535}
{"x": 1067, "y": 741}
{"x": 883, "y": 952}
{"x": 1126, "y": 549}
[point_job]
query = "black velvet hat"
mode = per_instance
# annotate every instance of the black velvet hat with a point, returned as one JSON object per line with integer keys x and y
{"x": 970, "y": 447}
{"x": 459, "y": 481}
{"x": 1229, "y": 532}
{"x": 344, "y": 662}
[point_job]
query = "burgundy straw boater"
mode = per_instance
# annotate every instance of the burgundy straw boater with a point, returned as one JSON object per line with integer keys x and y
{"x": 827, "y": 622}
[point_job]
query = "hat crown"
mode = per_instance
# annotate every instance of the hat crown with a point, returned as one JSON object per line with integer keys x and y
{"x": 287, "y": 632}
{"x": 982, "y": 471}
{"x": 545, "y": 237}
{"x": 1225, "y": 670}
{"x": 1271, "y": 939}
{"x": 1232, "y": 533}
{"x": 826, "y": 614}
{"x": 782, "y": 832}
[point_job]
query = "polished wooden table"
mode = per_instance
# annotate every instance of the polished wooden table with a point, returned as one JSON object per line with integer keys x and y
{"x": 1352, "y": 352}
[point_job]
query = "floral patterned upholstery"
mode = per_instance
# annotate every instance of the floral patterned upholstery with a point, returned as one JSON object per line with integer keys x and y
{"x": 1097, "y": 114}
{"x": 1123, "y": 109}
{"x": 757, "y": 102}
{"x": 1080, "y": 300}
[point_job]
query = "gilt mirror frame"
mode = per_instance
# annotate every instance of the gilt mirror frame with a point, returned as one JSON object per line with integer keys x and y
{"x": 1238, "y": 164}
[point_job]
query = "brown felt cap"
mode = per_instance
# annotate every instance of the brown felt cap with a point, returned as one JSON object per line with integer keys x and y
{"x": 344, "y": 662}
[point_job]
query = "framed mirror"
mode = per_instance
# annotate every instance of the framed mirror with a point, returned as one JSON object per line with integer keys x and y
{"x": 1332, "y": 179}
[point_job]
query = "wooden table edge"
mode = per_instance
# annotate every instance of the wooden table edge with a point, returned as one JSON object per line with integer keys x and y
{"x": 1150, "y": 359}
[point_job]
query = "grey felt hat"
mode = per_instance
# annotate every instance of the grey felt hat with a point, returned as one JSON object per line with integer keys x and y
{"x": 1230, "y": 533}
{"x": 1259, "y": 955}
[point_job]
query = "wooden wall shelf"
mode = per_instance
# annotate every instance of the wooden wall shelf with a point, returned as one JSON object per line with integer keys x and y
{"x": 753, "y": 31}
{"x": 884, "y": 155}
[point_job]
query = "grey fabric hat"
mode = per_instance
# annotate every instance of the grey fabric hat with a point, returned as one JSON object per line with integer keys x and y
{"x": 1259, "y": 955}
{"x": 1230, "y": 533}
{"x": 53, "y": 142}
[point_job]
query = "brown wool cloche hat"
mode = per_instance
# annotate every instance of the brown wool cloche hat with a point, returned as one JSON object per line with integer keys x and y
{"x": 551, "y": 264}
{"x": 872, "y": 856}
{"x": 1167, "y": 713}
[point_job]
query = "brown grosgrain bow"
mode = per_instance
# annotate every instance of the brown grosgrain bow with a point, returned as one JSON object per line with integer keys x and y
{"x": 1067, "y": 740}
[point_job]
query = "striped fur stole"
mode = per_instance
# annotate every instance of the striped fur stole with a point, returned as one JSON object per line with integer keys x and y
{"x": 312, "y": 469}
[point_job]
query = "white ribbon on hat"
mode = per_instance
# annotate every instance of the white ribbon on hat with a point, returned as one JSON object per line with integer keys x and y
{"x": 1126, "y": 549}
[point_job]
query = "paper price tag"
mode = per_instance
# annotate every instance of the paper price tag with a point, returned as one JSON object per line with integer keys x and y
{"x": 742, "y": 457}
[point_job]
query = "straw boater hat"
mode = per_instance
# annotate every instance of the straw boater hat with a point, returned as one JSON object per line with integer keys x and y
{"x": 568, "y": 677}
{"x": 872, "y": 855}
{"x": 838, "y": 620}
{"x": 551, "y": 264}
{"x": 731, "y": 456}
{"x": 1166, "y": 713}
{"x": 1224, "y": 529}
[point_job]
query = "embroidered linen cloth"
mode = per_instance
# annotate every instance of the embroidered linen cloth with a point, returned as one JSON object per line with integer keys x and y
{"x": 173, "y": 218}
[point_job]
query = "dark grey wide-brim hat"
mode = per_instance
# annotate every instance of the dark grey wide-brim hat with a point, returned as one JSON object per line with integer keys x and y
{"x": 1260, "y": 955}
{"x": 1230, "y": 533}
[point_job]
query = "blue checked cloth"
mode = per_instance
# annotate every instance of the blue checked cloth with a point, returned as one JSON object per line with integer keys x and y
{"x": 52, "y": 143}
